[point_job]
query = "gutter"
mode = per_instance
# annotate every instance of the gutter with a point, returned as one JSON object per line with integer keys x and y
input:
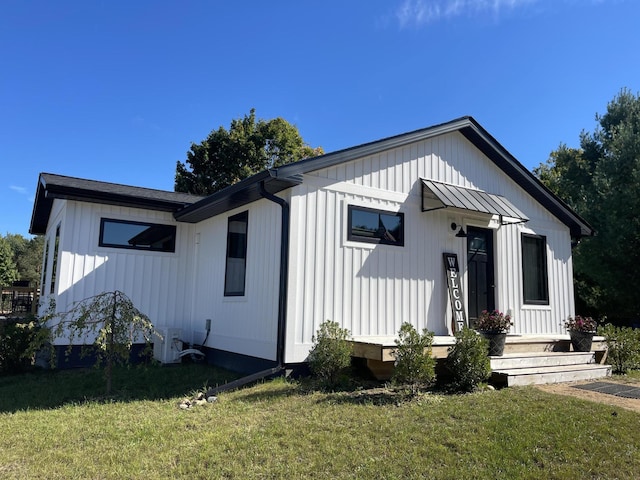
{"x": 282, "y": 300}
{"x": 284, "y": 269}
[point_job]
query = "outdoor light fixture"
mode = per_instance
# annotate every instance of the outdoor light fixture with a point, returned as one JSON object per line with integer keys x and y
{"x": 461, "y": 233}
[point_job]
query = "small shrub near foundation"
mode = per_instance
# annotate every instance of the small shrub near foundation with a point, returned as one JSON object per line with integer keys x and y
{"x": 467, "y": 361}
{"x": 331, "y": 353}
{"x": 623, "y": 347}
{"x": 414, "y": 367}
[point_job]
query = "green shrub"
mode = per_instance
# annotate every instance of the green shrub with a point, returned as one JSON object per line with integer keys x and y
{"x": 467, "y": 360}
{"x": 331, "y": 352}
{"x": 17, "y": 345}
{"x": 414, "y": 367}
{"x": 623, "y": 347}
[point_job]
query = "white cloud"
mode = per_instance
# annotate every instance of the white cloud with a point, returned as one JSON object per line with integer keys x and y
{"x": 417, "y": 13}
{"x": 23, "y": 191}
{"x": 20, "y": 190}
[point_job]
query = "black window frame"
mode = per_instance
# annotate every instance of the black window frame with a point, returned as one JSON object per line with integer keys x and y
{"x": 539, "y": 262}
{"x": 54, "y": 265}
{"x": 170, "y": 248}
{"x": 45, "y": 268}
{"x": 354, "y": 237}
{"x": 236, "y": 251}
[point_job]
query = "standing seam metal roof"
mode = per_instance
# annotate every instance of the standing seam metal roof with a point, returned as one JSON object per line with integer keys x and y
{"x": 468, "y": 199}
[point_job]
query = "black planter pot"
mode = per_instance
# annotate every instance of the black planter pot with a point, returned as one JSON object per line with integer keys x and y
{"x": 581, "y": 341}
{"x": 496, "y": 343}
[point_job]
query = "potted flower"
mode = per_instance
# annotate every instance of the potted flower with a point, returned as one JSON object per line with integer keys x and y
{"x": 494, "y": 325}
{"x": 581, "y": 331}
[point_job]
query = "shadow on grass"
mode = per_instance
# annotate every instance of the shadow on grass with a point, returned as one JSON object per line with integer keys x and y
{"x": 47, "y": 389}
{"x": 353, "y": 387}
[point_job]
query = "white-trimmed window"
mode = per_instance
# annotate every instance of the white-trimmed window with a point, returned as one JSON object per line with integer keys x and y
{"x": 375, "y": 226}
{"x": 45, "y": 266}
{"x": 534, "y": 270}
{"x": 236, "y": 265}
{"x": 137, "y": 235}
{"x": 54, "y": 267}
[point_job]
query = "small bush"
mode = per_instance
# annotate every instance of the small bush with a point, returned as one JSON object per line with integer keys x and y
{"x": 467, "y": 361}
{"x": 415, "y": 367}
{"x": 623, "y": 347}
{"x": 331, "y": 352}
{"x": 17, "y": 345}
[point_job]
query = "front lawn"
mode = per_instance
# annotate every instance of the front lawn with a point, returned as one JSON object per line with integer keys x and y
{"x": 53, "y": 427}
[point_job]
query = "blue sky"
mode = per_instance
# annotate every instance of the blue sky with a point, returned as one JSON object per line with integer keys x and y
{"x": 117, "y": 90}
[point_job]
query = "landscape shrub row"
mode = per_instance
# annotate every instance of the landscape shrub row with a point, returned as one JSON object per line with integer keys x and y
{"x": 467, "y": 363}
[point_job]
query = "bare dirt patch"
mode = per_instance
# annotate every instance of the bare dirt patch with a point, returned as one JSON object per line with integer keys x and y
{"x": 605, "y": 398}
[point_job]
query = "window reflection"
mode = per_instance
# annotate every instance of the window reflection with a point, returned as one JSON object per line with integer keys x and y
{"x": 137, "y": 235}
{"x": 375, "y": 226}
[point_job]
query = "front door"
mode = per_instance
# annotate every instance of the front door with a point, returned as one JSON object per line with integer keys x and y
{"x": 480, "y": 272}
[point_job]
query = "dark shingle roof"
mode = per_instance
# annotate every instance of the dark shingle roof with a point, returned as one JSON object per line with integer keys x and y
{"x": 51, "y": 186}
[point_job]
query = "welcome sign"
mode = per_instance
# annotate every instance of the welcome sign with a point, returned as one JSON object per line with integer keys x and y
{"x": 455, "y": 291}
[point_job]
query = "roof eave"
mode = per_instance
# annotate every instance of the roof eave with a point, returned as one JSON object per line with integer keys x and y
{"x": 41, "y": 210}
{"x": 489, "y": 146}
{"x": 46, "y": 193}
{"x": 237, "y": 195}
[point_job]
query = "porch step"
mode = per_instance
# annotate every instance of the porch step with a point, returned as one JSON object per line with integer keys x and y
{"x": 550, "y": 367}
{"x": 540, "y": 359}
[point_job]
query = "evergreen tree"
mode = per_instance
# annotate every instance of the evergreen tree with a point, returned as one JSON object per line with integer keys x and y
{"x": 601, "y": 181}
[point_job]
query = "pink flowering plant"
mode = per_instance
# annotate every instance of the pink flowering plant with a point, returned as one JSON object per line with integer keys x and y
{"x": 494, "y": 321}
{"x": 581, "y": 324}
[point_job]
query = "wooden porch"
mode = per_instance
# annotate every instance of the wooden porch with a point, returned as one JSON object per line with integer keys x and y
{"x": 542, "y": 350}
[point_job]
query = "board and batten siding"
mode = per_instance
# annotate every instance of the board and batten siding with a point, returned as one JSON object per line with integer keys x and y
{"x": 245, "y": 324}
{"x": 371, "y": 289}
{"x": 158, "y": 283}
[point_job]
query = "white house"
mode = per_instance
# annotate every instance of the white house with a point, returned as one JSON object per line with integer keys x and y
{"x": 355, "y": 236}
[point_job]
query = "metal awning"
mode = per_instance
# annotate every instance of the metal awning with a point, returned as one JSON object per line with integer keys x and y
{"x": 437, "y": 195}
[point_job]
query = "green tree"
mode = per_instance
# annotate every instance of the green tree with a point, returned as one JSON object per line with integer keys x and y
{"x": 601, "y": 181}
{"x": 8, "y": 270}
{"x": 248, "y": 147}
{"x": 27, "y": 256}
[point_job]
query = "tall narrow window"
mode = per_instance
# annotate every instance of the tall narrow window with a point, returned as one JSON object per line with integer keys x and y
{"x": 534, "y": 269}
{"x": 234, "y": 279}
{"x": 45, "y": 265}
{"x": 54, "y": 268}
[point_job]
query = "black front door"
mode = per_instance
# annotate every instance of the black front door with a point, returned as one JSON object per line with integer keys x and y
{"x": 480, "y": 272}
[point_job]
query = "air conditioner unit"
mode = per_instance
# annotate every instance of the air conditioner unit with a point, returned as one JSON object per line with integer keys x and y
{"x": 167, "y": 349}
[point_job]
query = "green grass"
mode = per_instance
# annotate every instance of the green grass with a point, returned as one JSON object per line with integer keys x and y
{"x": 280, "y": 430}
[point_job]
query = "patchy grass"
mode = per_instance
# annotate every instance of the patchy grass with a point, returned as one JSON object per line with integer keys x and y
{"x": 280, "y": 430}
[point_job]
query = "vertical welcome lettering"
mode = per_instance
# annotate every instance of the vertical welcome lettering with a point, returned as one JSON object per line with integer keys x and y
{"x": 455, "y": 291}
